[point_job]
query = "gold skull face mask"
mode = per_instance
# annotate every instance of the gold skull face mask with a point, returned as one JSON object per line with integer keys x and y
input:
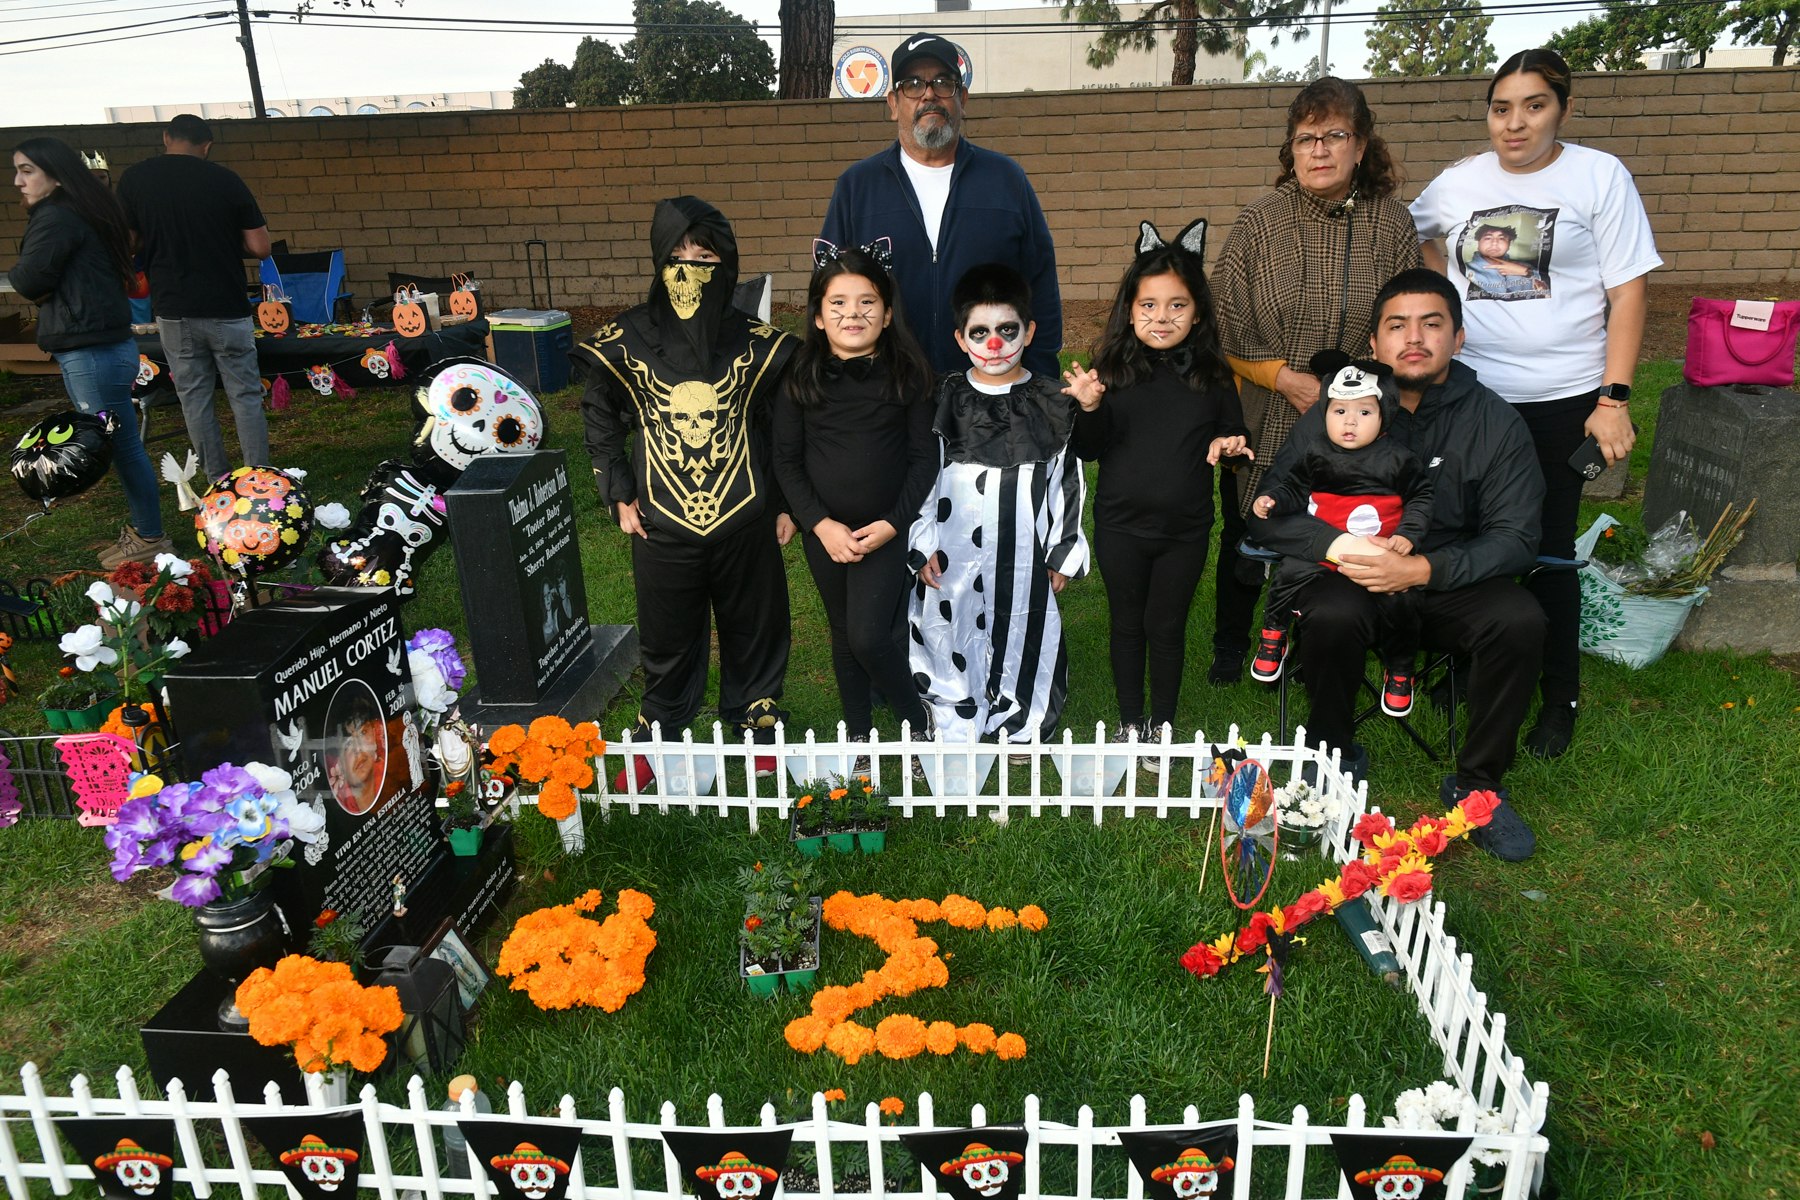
{"x": 684, "y": 280}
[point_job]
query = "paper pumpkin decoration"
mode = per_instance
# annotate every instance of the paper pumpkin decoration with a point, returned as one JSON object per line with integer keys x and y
{"x": 400, "y": 524}
{"x": 62, "y": 455}
{"x": 465, "y": 407}
{"x": 274, "y": 317}
{"x": 465, "y": 303}
{"x": 254, "y": 520}
{"x": 410, "y": 319}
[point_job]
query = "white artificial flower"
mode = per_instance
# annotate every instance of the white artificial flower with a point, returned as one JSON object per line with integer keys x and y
{"x": 272, "y": 780}
{"x": 178, "y": 568}
{"x": 177, "y": 648}
{"x": 305, "y": 821}
{"x": 331, "y": 516}
{"x": 430, "y": 691}
{"x": 296, "y": 472}
{"x": 453, "y": 752}
{"x": 88, "y": 647}
{"x": 100, "y": 592}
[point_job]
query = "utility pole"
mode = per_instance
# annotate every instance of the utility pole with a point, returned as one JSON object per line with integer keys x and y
{"x": 256, "y": 93}
{"x": 1324, "y": 39}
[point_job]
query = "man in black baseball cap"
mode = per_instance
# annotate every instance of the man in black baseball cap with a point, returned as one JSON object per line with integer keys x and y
{"x": 947, "y": 205}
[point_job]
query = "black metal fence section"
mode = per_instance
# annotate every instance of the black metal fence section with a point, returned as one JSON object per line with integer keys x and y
{"x": 26, "y": 613}
{"x": 37, "y": 771}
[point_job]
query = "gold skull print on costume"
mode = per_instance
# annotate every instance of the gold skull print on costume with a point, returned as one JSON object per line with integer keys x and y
{"x": 685, "y": 280}
{"x": 694, "y": 466}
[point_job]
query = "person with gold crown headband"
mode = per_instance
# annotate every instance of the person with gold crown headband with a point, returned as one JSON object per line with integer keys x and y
{"x": 676, "y": 409}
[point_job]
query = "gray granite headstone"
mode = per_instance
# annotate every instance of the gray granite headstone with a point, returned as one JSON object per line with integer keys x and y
{"x": 1723, "y": 445}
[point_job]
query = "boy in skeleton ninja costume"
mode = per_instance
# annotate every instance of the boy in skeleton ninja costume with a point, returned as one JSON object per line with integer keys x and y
{"x": 1338, "y": 466}
{"x": 1000, "y": 533}
{"x": 684, "y": 381}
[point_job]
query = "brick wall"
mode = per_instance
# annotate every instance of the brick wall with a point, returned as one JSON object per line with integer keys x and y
{"x": 1716, "y": 155}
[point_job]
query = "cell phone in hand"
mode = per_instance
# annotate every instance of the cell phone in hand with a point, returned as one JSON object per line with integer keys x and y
{"x": 1588, "y": 461}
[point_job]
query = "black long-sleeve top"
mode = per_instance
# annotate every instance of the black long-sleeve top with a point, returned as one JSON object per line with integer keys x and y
{"x": 860, "y": 456}
{"x": 1151, "y": 441}
{"x": 1384, "y": 467}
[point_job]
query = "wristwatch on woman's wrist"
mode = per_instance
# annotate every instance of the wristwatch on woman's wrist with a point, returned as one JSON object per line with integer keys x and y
{"x": 1615, "y": 395}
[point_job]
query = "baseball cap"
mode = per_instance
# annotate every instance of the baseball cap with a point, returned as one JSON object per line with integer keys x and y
{"x": 926, "y": 45}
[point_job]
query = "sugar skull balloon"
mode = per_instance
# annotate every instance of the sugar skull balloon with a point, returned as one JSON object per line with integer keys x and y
{"x": 254, "y": 520}
{"x": 62, "y": 455}
{"x": 466, "y": 407}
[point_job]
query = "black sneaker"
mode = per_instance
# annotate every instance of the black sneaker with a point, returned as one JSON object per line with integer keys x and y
{"x": 1554, "y": 730}
{"x": 1396, "y": 694}
{"x": 1271, "y": 654}
{"x": 1227, "y": 668}
{"x": 1506, "y": 836}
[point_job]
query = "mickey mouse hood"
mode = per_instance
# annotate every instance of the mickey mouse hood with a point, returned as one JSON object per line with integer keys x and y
{"x": 689, "y": 301}
{"x": 1344, "y": 378}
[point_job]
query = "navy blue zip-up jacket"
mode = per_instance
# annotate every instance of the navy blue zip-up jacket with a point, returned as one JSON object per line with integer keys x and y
{"x": 992, "y": 215}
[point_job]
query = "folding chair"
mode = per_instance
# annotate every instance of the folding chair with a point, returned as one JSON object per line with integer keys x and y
{"x": 1438, "y": 676}
{"x": 313, "y": 283}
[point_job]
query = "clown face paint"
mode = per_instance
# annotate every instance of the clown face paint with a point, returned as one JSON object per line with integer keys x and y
{"x": 1353, "y": 424}
{"x": 1162, "y": 312}
{"x": 852, "y": 315}
{"x": 994, "y": 337}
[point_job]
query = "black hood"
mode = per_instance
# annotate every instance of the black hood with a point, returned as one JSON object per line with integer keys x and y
{"x": 690, "y": 330}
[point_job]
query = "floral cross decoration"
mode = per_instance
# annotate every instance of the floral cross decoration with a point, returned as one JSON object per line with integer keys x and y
{"x": 1395, "y": 862}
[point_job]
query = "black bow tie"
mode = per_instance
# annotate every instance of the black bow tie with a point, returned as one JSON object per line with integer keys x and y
{"x": 1179, "y": 359}
{"x": 856, "y": 368}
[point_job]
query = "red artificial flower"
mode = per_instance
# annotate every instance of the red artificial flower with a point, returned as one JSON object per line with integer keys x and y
{"x": 1478, "y": 807}
{"x": 175, "y": 598}
{"x": 1201, "y": 961}
{"x": 1387, "y": 866}
{"x": 1255, "y": 935}
{"x": 1308, "y": 906}
{"x": 1409, "y": 886}
{"x": 1370, "y": 826}
{"x": 1430, "y": 842}
{"x": 1358, "y": 877}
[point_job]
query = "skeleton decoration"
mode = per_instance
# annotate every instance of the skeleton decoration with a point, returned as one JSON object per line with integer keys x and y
{"x": 1192, "y": 1174}
{"x": 375, "y": 362}
{"x": 321, "y": 378}
{"x": 465, "y": 407}
{"x": 685, "y": 281}
{"x": 400, "y": 524}
{"x": 1400, "y": 1178}
{"x": 140, "y": 1171}
{"x": 735, "y": 1177}
{"x": 325, "y": 1167}
{"x": 147, "y": 372}
{"x": 983, "y": 1169}
{"x": 531, "y": 1171}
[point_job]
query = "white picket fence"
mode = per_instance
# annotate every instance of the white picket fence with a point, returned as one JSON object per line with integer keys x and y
{"x": 1066, "y": 777}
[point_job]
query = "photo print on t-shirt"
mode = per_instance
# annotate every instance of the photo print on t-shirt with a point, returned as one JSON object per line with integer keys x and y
{"x": 1505, "y": 252}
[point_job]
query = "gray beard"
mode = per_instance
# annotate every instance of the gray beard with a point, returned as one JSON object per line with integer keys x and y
{"x": 937, "y": 137}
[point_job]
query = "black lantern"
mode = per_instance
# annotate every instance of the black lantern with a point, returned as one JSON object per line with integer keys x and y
{"x": 431, "y": 1032}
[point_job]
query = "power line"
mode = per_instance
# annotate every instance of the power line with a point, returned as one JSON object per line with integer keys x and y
{"x": 130, "y": 37}
{"x": 51, "y": 37}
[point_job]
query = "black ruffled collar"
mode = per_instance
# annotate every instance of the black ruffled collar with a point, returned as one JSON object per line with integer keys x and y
{"x": 1030, "y": 422}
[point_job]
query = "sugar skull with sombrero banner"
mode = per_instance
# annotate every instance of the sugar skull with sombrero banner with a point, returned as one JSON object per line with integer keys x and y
{"x": 741, "y": 1165}
{"x": 318, "y": 1153}
{"x": 524, "y": 1161}
{"x": 973, "y": 1164}
{"x": 1407, "y": 1167}
{"x": 132, "y": 1158}
{"x": 1183, "y": 1164}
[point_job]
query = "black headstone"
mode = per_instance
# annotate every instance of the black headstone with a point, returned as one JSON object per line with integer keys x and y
{"x": 319, "y": 686}
{"x": 512, "y": 522}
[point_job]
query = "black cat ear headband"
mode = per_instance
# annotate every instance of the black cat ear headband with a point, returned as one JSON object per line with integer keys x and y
{"x": 1192, "y": 239}
{"x": 881, "y": 250}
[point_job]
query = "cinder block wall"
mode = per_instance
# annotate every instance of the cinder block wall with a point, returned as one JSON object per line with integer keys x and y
{"x": 1716, "y": 155}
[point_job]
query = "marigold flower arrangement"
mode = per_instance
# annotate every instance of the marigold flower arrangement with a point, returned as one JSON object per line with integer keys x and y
{"x": 552, "y": 753}
{"x": 319, "y": 1011}
{"x": 1394, "y": 862}
{"x": 560, "y": 957}
{"x": 837, "y": 804}
{"x": 913, "y": 963}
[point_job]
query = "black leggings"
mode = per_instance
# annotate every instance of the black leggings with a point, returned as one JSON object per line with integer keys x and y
{"x": 1150, "y": 585}
{"x": 863, "y": 603}
{"x": 1234, "y": 599}
{"x": 1556, "y": 430}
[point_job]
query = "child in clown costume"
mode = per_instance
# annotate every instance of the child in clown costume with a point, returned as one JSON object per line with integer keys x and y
{"x": 1338, "y": 466}
{"x": 999, "y": 535}
{"x": 678, "y": 392}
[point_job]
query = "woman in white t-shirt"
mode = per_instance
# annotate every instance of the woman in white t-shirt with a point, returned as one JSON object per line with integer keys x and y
{"x": 1549, "y": 245}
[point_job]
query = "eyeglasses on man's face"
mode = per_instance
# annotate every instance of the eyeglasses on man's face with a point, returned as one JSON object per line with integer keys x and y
{"x": 1333, "y": 140}
{"x": 943, "y": 87}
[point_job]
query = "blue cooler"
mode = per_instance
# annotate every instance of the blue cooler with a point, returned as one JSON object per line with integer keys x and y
{"x": 532, "y": 345}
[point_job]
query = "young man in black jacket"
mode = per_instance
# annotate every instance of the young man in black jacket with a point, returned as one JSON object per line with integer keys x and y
{"x": 1488, "y": 493}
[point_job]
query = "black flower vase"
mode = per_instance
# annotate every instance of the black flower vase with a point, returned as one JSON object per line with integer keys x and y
{"x": 237, "y": 937}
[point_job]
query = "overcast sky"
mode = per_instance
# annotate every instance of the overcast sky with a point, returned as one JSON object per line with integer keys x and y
{"x": 321, "y": 58}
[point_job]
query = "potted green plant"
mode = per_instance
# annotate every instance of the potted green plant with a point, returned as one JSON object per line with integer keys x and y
{"x": 840, "y": 817}
{"x": 464, "y": 821}
{"x": 74, "y": 703}
{"x": 871, "y": 809}
{"x": 806, "y": 826}
{"x": 778, "y": 941}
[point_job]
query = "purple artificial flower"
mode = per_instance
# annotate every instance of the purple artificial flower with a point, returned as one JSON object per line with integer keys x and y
{"x": 209, "y": 859}
{"x": 225, "y": 783}
{"x": 441, "y": 645}
{"x": 128, "y": 859}
{"x": 10, "y": 808}
{"x": 163, "y": 850}
{"x": 195, "y": 891}
{"x": 138, "y": 819}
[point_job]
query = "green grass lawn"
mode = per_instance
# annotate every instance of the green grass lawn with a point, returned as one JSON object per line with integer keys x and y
{"x": 1645, "y": 957}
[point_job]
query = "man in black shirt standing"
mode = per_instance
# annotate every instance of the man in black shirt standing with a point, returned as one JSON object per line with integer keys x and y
{"x": 196, "y": 222}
